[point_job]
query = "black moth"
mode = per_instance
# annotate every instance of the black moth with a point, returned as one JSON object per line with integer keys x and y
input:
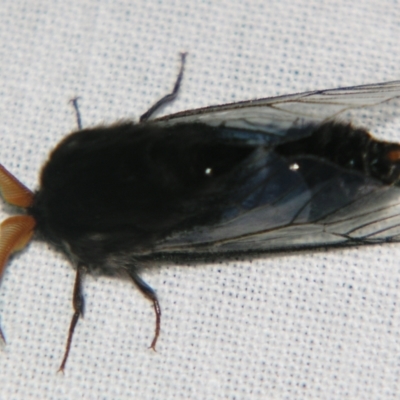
{"x": 257, "y": 176}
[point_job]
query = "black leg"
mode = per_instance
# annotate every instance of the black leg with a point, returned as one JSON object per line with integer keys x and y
{"x": 78, "y": 304}
{"x": 3, "y": 338}
{"x": 169, "y": 97}
{"x": 74, "y": 102}
{"x": 151, "y": 295}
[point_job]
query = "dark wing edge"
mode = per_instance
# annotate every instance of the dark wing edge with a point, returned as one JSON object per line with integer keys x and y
{"x": 275, "y": 115}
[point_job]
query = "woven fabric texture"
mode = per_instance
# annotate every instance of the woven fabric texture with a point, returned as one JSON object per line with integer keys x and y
{"x": 321, "y": 325}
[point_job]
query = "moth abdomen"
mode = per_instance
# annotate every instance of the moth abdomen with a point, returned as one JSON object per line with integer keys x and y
{"x": 349, "y": 148}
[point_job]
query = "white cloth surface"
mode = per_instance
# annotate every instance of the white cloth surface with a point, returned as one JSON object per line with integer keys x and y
{"x": 322, "y": 325}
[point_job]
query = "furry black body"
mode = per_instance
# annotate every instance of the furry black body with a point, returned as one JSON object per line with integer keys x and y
{"x": 107, "y": 195}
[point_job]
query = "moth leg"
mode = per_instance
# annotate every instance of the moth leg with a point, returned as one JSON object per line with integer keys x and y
{"x": 151, "y": 295}
{"x": 74, "y": 102}
{"x": 78, "y": 303}
{"x": 167, "y": 98}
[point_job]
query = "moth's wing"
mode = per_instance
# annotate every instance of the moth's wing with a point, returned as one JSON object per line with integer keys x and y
{"x": 277, "y": 115}
{"x": 280, "y": 207}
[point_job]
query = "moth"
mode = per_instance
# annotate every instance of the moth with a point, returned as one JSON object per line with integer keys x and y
{"x": 268, "y": 175}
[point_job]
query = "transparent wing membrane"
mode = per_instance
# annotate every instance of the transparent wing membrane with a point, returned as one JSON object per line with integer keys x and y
{"x": 276, "y": 115}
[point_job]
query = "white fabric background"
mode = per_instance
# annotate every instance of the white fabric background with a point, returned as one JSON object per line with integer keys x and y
{"x": 323, "y": 325}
